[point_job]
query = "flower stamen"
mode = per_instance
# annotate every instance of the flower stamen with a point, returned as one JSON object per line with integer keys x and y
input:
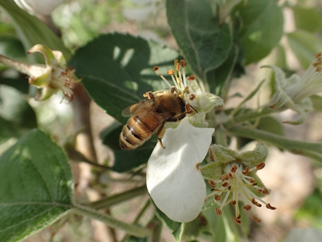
{"x": 241, "y": 187}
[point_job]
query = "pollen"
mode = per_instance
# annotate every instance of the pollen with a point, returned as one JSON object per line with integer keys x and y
{"x": 260, "y": 166}
{"x": 257, "y": 219}
{"x": 218, "y": 211}
{"x": 170, "y": 72}
{"x": 191, "y": 77}
{"x": 183, "y": 63}
{"x": 318, "y": 63}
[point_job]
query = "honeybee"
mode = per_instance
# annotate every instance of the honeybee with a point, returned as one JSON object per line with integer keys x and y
{"x": 149, "y": 116}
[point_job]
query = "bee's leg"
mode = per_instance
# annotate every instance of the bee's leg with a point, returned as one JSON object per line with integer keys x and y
{"x": 181, "y": 116}
{"x": 160, "y": 133}
{"x": 151, "y": 96}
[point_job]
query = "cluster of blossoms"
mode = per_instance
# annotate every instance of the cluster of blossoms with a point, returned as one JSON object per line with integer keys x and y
{"x": 294, "y": 92}
{"x": 55, "y": 76}
{"x": 174, "y": 181}
{"x": 232, "y": 179}
{"x": 175, "y": 178}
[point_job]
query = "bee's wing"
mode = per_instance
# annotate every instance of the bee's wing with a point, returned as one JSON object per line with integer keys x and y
{"x": 129, "y": 111}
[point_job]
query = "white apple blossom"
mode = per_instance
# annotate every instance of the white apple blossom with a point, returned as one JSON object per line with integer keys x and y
{"x": 294, "y": 92}
{"x": 50, "y": 78}
{"x": 232, "y": 178}
{"x": 174, "y": 180}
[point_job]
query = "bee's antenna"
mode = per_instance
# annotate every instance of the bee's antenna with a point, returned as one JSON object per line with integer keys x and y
{"x": 194, "y": 109}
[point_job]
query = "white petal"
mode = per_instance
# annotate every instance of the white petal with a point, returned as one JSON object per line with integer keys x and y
{"x": 44, "y": 7}
{"x": 175, "y": 184}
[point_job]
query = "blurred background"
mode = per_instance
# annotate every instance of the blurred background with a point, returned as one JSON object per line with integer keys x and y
{"x": 296, "y": 185}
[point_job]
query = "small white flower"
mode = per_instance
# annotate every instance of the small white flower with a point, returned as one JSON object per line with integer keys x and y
{"x": 50, "y": 78}
{"x": 55, "y": 76}
{"x": 293, "y": 92}
{"x": 174, "y": 180}
{"x": 239, "y": 185}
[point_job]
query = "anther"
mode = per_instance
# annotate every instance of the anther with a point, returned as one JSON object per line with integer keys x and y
{"x": 230, "y": 175}
{"x": 269, "y": 206}
{"x": 237, "y": 221}
{"x": 217, "y": 197}
{"x": 170, "y": 72}
{"x": 260, "y": 166}
{"x": 218, "y": 211}
{"x": 257, "y": 219}
{"x": 191, "y": 77}
{"x": 246, "y": 172}
{"x": 183, "y": 63}
{"x": 225, "y": 184}
{"x": 247, "y": 207}
{"x": 265, "y": 191}
{"x": 156, "y": 68}
{"x": 233, "y": 202}
{"x": 233, "y": 169}
{"x": 192, "y": 97}
{"x": 256, "y": 203}
{"x": 178, "y": 67}
{"x": 212, "y": 183}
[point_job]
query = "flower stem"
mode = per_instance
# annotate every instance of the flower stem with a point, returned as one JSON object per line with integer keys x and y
{"x": 118, "y": 198}
{"x": 22, "y": 67}
{"x": 137, "y": 218}
{"x": 112, "y": 222}
{"x": 309, "y": 149}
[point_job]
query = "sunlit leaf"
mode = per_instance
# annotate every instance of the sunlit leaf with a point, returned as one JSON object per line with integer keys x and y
{"x": 304, "y": 45}
{"x": 31, "y": 30}
{"x": 117, "y": 70}
{"x": 35, "y": 186}
{"x": 205, "y": 42}
{"x": 260, "y": 32}
{"x": 308, "y": 19}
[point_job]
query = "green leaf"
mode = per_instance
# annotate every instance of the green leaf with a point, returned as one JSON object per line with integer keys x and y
{"x": 175, "y": 227}
{"x": 193, "y": 229}
{"x": 304, "y": 45}
{"x": 117, "y": 70}
{"x": 16, "y": 109}
{"x": 35, "y": 186}
{"x": 7, "y": 130}
{"x": 125, "y": 160}
{"x": 218, "y": 77}
{"x": 21, "y": 84}
{"x": 221, "y": 227}
{"x": 205, "y": 42}
{"x": 262, "y": 28}
{"x": 309, "y": 149}
{"x": 308, "y": 19}
{"x": 32, "y": 31}
{"x": 11, "y": 47}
